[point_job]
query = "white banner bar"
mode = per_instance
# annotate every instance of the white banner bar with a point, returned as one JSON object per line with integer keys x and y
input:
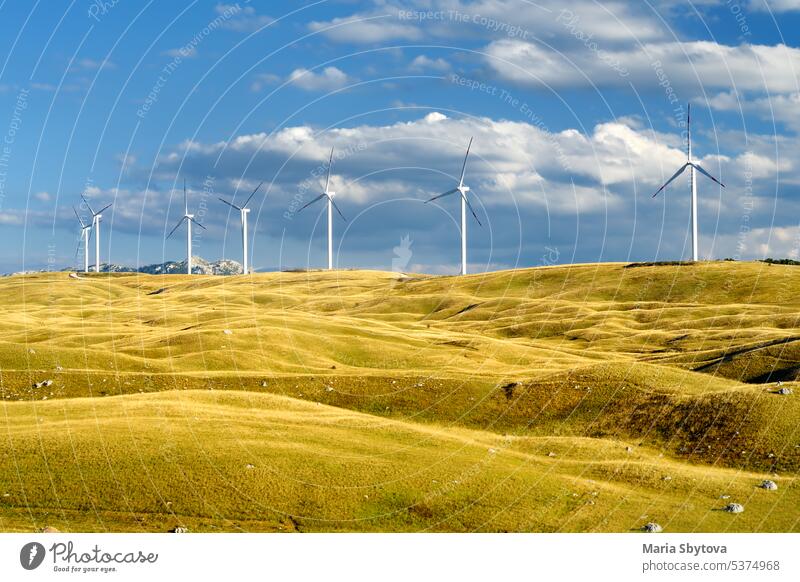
{"x": 400, "y": 557}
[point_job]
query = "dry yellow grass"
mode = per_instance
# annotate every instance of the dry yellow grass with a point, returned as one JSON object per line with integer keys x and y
{"x": 584, "y": 360}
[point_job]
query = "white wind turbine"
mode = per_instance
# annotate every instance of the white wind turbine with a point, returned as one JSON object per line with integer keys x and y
{"x": 461, "y": 189}
{"x": 692, "y": 165}
{"x": 189, "y": 218}
{"x": 243, "y": 210}
{"x": 331, "y": 204}
{"x": 86, "y": 232}
{"x": 96, "y": 216}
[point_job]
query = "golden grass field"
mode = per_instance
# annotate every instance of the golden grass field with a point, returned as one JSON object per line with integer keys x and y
{"x": 578, "y": 398}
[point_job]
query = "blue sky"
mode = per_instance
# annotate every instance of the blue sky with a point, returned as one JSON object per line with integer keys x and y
{"x": 577, "y": 110}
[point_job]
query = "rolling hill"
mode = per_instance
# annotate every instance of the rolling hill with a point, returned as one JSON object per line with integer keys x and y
{"x": 575, "y": 398}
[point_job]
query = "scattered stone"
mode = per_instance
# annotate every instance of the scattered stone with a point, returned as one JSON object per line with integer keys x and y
{"x": 492, "y": 451}
{"x": 59, "y": 369}
{"x": 31, "y": 351}
{"x": 769, "y": 484}
{"x": 263, "y": 383}
{"x": 734, "y": 508}
{"x": 551, "y": 454}
{"x": 328, "y": 388}
{"x": 628, "y": 449}
{"x": 250, "y": 466}
{"x": 179, "y": 529}
{"x": 784, "y": 391}
{"x": 724, "y": 496}
{"x": 48, "y": 529}
{"x": 652, "y": 527}
{"x": 227, "y": 332}
{"x": 666, "y": 478}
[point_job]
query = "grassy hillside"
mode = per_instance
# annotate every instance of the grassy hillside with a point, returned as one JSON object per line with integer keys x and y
{"x": 326, "y": 372}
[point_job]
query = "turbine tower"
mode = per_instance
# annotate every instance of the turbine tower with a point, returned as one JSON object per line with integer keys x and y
{"x": 96, "y": 216}
{"x": 243, "y": 210}
{"x": 86, "y": 232}
{"x": 331, "y": 204}
{"x": 692, "y": 165}
{"x": 462, "y": 190}
{"x": 189, "y": 218}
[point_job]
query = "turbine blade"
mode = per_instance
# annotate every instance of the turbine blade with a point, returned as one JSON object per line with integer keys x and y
{"x": 229, "y": 204}
{"x": 246, "y": 202}
{"x": 675, "y": 175}
{"x": 180, "y": 222}
{"x": 464, "y": 167}
{"x": 89, "y": 206}
{"x": 106, "y": 207}
{"x": 198, "y": 224}
{"x": 453, "y": 191}
{"x": 330, "y": 165}
{"x": 185, "y": 199}
{"x": 337, "y": 209}
{"x": 471, "y": 209}
{"x": 702, "y": 171}
{"x": 312, "y": 202}
{"x": 78, "y": 216}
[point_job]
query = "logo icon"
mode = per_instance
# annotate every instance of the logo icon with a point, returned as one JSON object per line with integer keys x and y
{"x": 31, "y": 555}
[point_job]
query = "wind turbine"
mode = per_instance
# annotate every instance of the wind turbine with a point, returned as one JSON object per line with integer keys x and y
{"x": 331, "y": 204}
{"x": 692, "y": 165}
{"x": 86, "y": 232}
{"x": 96, "y": 216}
{"x": 189, "y": 218}
{"x": 243, "y": 210}
{"x": 461, "y": 189}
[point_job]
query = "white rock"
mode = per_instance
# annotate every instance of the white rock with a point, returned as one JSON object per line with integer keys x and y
{"x": 652, "y": 527}
{"x": 734, "y": 508}
{"x": 227, "y": 332}
{"x": 769, "y": 485}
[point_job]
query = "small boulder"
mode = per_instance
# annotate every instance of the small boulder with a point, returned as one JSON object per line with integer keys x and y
{"x": 652, "y": 527}
{"x": 227, "y": 332}
{"x": 769, "y": 484}
{"x": 784, "y": 391}
{"x": 733, "y": 508}
{"x": 48, "y": 529}
{"x": 179, "y": 529}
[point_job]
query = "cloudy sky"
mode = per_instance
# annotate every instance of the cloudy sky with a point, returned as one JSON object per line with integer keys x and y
{"x": 577, "y": 109}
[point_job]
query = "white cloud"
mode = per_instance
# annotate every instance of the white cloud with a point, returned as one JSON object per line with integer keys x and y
{"x": 412, "y": 20}
{"x": 367, "y": 28}
{"x": 184, "y": 52}
{"x": 92, "y": 65}
{"x": 699, "y": 63}
{"x": 43, "y": 196}
{"x": 424, "y": 63}
{"x": 781, "y": 108}
{"x": 775, "y": 5}
{"x": 241, "y": 19}
{"x": 262, "y": 80}
{"x": 329, "y": 79}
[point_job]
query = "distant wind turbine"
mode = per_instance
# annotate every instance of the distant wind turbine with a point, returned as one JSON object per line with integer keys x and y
{"x": 96, "y": 216}
{"x": 461, "y": 189}
{"x": 692, "y": 165}
{"x": 243, "y": 210}
{"x": 189, "y": 218}
{"x": 331, "y": 204}
{"x": 86, "y": 232}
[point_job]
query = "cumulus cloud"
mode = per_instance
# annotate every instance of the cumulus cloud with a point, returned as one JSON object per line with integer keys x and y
{"x": 698, "y": 63}
{"x": 424, "y": 63}
{"x": 328, "y": 79}
{"x": 611, "y": 21}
